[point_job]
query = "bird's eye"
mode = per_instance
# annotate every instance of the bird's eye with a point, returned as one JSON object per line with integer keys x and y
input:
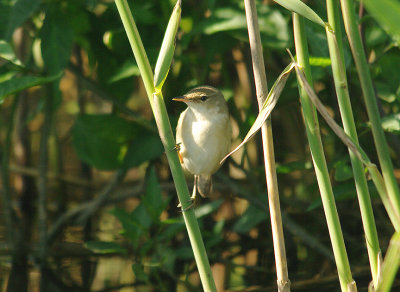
{"x": 203, "y": 98}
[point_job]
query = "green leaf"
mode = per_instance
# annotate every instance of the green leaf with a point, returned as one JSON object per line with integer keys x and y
{"x": 57, "y": 39}
{"x": 144, "y": 147}
{"x": 102, "y": 140}
{"x": 134, "y": 224}
{"x": 16, "y": 85}
{"x": 391, "y": 123}
{"x": 384, "y": 92}
{"x": 225, "y": 19}
{"x": 19, "y": 13}
{"x": 139, "y": 273}
{"x": 7, "y": 53}
{"x": 250, "y": 218}
{"x": 105, "y": 247}
{"x": 208, "y": 208}
{"x": 128, "y": 69}
{"x": 167, "y": 50}
{"x": 152, "y": 199}
{"x": 386, "y": 13}
{"x": 272, "y": 25}
{"x": 302, "y": 9}
{"x": 343, "y": 170}
{"x": 320, "y": 61}
{"x": 5, "y": 9}
{"x": 344, "y": 191}
{"x": 108, "y": 142}
{"x": 293, "y": 166}
{"x": 184, "y": 253}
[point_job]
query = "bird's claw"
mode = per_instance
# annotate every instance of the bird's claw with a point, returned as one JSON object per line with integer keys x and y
{"x": 177, "y": 148}
{"x": 192, "y": 203}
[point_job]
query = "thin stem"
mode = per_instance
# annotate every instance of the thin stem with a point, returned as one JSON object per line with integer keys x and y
{"x": 350, "y": 23}
{"x": 42, "y": 182}
{"x": 268, "y": 147}
{"x": 390, "y": 265}
{"x": 318, "y": 156}
{"x": 342, "y": 92}
{"x": 167, "y": 138}
{"x": 5, "y": 175}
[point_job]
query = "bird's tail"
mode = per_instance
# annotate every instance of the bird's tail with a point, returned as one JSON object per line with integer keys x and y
{"x": 204, "y": 184}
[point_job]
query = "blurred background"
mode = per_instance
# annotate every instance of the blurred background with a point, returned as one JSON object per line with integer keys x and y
{"x": 87, "y": 199}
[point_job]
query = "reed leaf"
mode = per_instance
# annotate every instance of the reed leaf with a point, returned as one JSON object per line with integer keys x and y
{"x": 167, "y": 48}
{"x": 356, "y": 149}
{"x": 390, "y": 265}
{"x": 267, "y": 107}
{"x": 386, "y": 12}
{"x": 302, "y": 9}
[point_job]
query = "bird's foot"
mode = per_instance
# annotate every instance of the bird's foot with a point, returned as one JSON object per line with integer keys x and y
{"x": 177, "y": 148}
{"x": 191, "y": 205}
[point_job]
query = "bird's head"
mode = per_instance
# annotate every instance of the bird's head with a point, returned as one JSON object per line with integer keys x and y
{"x": 204, "y": 98}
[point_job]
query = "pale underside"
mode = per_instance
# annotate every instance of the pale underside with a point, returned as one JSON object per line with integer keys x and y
{"x": 204, "y": 141}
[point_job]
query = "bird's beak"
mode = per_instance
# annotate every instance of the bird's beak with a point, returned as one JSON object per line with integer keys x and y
{"x": 180, "y": 98}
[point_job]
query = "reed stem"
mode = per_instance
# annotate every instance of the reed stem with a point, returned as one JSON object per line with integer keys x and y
{"x": 382, "y": 148}
{"x": 167, "y": 138}
{"x": 342, "y": 92}
{"x": 268, "y": 147}
{"x": 320, "y": 166}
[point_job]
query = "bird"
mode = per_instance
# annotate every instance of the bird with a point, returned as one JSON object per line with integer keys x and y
{"x": 203, "y": 135}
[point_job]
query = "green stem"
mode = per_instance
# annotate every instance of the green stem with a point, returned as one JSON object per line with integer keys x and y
{"x": 167, "y": 138}
{"x": 390, "y": 265}
{"x": 342, "y": 92}
{"x": 360, "y": 59}
{"x": 318, "y": 156}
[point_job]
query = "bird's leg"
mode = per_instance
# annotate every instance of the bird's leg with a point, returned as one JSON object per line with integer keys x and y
{"x": 192, "y": 198}
{"x": 194, "y": 192}
{"x": 177, "y": 148}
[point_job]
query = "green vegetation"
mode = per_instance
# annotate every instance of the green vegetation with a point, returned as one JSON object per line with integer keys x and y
{"x": 91, "y": 178}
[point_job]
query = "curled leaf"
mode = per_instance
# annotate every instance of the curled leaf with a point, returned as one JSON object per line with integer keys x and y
{"x": 346, "y": 139}
{"x": 167, "y": 48}
{"x": 354, "y": 147}
{"x": 267, "y": 107}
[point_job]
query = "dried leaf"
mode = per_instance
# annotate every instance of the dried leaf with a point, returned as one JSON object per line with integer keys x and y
{"x": 267, "y": 107}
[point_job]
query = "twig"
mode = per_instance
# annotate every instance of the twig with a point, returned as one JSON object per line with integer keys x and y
{"x": 28, "y": 171}
{"x": 84, "y": 211}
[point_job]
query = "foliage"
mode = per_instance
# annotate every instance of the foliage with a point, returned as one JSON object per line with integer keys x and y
{"x": 75, "y": 54}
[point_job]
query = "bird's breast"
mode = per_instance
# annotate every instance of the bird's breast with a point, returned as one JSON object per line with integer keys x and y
{"x": 205, "y": 141}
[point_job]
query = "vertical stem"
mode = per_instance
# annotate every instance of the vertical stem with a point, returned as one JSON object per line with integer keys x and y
{"x": 318, "y": 156}
{"x": 5, "y": 176}
{"x": 86, "y": 173}
{"x": 268, "y": 147}
{"x": 350, "y": 23}
{"x": 342, "y": 92}
{"x": 167, "y": 138}
{"x": 390, "y": 265}
{"x": 42, "y": 181}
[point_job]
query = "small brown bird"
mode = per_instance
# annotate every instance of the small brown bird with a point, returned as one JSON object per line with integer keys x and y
{"x": 203, "y": 134}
